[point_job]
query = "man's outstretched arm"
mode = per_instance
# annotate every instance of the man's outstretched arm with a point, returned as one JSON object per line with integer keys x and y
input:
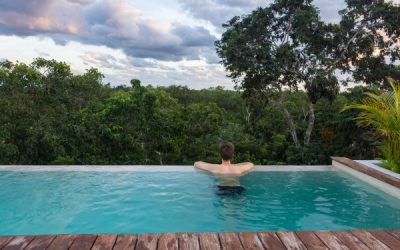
{"x": 204, "y": 166}
{"x": 245, "y": 166}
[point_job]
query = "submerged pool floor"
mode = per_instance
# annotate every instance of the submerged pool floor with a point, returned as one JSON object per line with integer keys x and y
{"x": 155, "y": 202}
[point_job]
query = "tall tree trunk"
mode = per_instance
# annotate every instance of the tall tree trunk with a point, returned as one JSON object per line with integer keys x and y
{"x": 292, "y": 127}
{"x": 310, "y": 126}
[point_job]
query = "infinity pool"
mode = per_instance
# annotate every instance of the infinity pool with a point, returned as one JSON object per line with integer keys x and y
{"x": 152, "y": 202}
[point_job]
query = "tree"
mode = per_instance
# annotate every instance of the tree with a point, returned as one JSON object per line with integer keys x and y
{"x": 369, "y": 42}
{"x": 276, "y": 50}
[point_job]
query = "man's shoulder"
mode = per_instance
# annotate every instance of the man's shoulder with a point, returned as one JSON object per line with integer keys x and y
{"x": 244, "y": 164}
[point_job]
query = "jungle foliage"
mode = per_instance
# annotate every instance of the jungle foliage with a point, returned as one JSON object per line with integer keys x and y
{"x": 51, "y": 116}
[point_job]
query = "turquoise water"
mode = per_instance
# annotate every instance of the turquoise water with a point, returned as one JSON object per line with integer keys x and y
{"x": 144, "y": 202}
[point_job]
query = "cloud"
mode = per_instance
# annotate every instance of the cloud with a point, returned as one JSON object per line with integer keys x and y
{"x": 125, "y": 40}
{"x": 82, "y": 2}
{"x": 114, "y": 23}
{"x": 220, "y": 11}
{"x": 19, "y": 17}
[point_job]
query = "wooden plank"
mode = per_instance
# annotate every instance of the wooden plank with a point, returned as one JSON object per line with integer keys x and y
{"x": 125, "y": 242}
{"x": 189, "y": 241}
{"x": 369, "y": 240}
{"x": 350, "y": 240}
{"x": 83, "y": 242}
{"x": 62, "y": 242}
{"x": 40, "y": 242}
{"x": 386, "y": 238}
{"x": 394, "y": 233}
{"x": 4, "y": 240}
{"x": 291, "y": 241}
{"x": 147, "y": 242}
{"x": 331, "y": 240}
{"x": 250, "y": 241}
{"x": 209, "y": 241}
{"x": 105, "y": 242}
{"x": 271, "y": 241}
{"x": 168, "y": 241}
{"x": 18, "y": 242}
{"x": 230, "y": 241}
{"x": 310, "y": 240}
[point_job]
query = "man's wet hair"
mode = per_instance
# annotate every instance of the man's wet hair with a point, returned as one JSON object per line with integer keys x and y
{"x": 226, "y": 150}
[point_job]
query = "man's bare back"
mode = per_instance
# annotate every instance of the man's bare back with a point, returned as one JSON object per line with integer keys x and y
{"x": 225, "y": 168}
{"x": 227, "y": 173}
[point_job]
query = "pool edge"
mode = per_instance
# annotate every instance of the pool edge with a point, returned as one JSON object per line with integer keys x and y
{"x": 373, "y": 178}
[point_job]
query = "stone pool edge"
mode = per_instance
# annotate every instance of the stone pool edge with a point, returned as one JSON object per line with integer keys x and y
{"x": 150, "y": 168}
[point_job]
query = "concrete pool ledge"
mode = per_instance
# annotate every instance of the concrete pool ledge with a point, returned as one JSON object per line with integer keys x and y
{"x": 389, "y": 183}
{"x": 149, "y": 168}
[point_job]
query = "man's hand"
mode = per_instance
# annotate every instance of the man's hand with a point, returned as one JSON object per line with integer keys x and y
{"x": 197, "y": 164}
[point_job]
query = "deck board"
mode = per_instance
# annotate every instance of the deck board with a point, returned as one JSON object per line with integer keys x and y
{"x": 331, "y": 240}
{"x": 4, "y": 240}
{"x": 83, "y": 242}
{"x": 209, "y": 241}
{"x": 62, "y": 242}
{"x": 168, "y": 241}
{"x": 354, "y": 239}
{"x": 40, "y": 242}
{"x": 230, "y": 241}
{"x": 271, "y": 241}
{"x": 291, "y": 241}
{"x": 147, "y": 242}
{"x": 104, "y": 242}
{"x": 370, "y": 240}
{"x": 311, "y": 241}
{"x": 386, "y": 238}
{"x": 189, "y": 241}
{"x": 18, "y": 242}
{"x": 394, "y": 233}
{"x": 125, "y": 241}
{"x": 351, "y": 241}
{"x": 250, "y": 241}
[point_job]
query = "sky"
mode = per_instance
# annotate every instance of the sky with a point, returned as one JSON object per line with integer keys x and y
{"x": 160, "y": 42}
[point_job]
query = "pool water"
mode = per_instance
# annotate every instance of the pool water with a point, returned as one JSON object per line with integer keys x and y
{"x": 153, "y": 202}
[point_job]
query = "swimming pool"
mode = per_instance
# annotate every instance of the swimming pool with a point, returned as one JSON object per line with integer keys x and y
{"x": 59, "y": 202}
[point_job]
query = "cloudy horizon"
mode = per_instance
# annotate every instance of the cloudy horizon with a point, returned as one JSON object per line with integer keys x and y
{"x": 160, "y": 42}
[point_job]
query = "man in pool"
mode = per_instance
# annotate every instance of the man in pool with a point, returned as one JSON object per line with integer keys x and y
{"x": 228, "y": 174}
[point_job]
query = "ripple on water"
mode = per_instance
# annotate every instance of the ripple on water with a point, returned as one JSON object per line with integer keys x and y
{"x": 134, "y": 202}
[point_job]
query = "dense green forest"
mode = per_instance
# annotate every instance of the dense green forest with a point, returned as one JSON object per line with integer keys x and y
{"x": 51, "y": 116}
{"x": 285, "y": 62}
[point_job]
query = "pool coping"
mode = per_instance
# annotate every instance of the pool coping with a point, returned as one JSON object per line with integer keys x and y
{"x": 150, "y": 168}
{"x": 373, "y": 164}
{"x": 365, "y": 169}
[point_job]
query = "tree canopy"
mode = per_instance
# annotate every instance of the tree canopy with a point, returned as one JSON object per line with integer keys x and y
{"x": 51, "y": 116}
{"x": 285, "y": 47}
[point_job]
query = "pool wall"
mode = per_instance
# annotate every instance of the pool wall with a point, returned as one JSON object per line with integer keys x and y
{"x": 150, "y": 168}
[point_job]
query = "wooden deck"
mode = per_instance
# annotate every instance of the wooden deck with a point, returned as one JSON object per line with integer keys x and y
{"x": 356, "y": 239}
